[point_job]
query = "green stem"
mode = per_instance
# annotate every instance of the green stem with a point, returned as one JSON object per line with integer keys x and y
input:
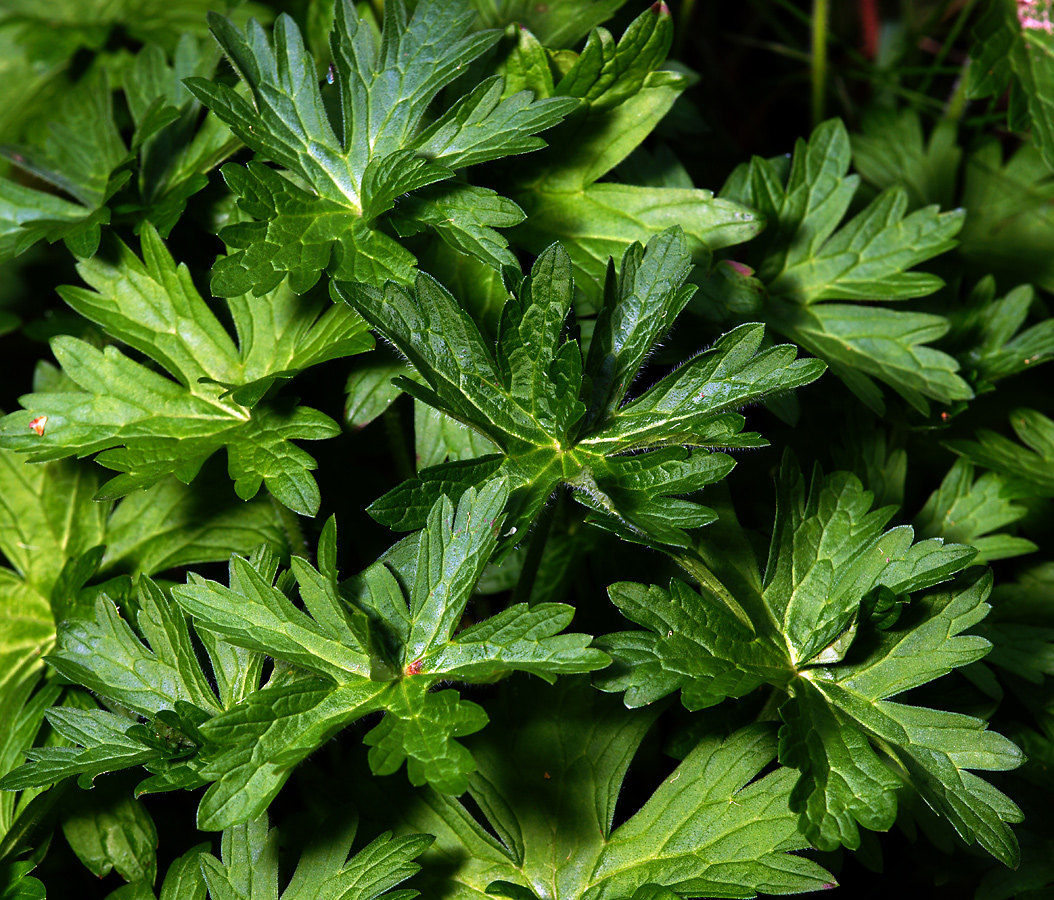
{"x": 770, "y": 711}
{"x": 294, "y": 533}
{"x": 535, "y": 549}
{"x": 956, "y": 105}
{"x": 819, "y": 58}
{"x": 685, "y": 18}
{"x": 397, "y": 442}
{"x": 946, "y": 46}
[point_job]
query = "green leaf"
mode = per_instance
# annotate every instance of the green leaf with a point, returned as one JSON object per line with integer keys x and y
{"x": 326, "y": 870}
{"x": 822, "y": 626}
{"x": 16, "y": 883}
{"x": 47, "y": 516}
{"x": 1010, "y": 220}
{"x": 828, "y": 551}
{"x": 173, "y": 159}
{"x": 968, "y": 511}
{"x": 256, "y": 744}
{"x": 85, "y": 156}
{"x": 419, "y": 728}
{"x": 551, "y": 768}
{"x": 865, "y": 343}
{"x": 805, "y": 258}
{"x": 990, "y": 333}
{"x": 81, "y": 157}
{"x": 556, "y": 419}
{"x": 701, "y": 649}
{"x": 622, "y": 95}
{"x": 148, "y": 425}
{"x": 846, "y": 781}
{"x": 162, "y": 683}
{"x": 891, "y": 150}
{"x": 172, "y": 524}
{"x": 1021, "y": 627}
{"x": 183, "y": 880}
{"x": 109, "y": 830}
{"x": 561, "y": 23}
{"x": 1028, "y": 469}
{"x": 370, "y": 391}
{"x": 1014, "y": 45}
{"x": 103, "y": 746}
{"x": 328, "y": 215}
{"x": 380, "y": 645}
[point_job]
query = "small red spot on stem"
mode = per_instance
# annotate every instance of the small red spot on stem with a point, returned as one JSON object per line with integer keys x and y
{"x": 38, "y": 424}
{"x": 414, "y": 668}
{"x": 546, "y": 776}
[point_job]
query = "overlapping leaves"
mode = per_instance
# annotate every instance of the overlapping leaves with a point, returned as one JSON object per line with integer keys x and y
{"x": 1029, "y": 469}
{"x": 550, "y": 772}
{"x": 149, "y": 426}
{"x": 344, "y": 657}
{"x": 991, "y": 334}
{"x": 86, "y": 158}
{"x": 381, "y": 165}
{"x": 622, "y": 95}
{"x": 834, "y": 624}
{"x": 50, "y": 534}
{"x": 806, "y": 257}
{"x": 560, "y": 419}
{"x": 248, "y": 867}
{"x": 1014, "y": 50}
{"x": 970, "y": 511}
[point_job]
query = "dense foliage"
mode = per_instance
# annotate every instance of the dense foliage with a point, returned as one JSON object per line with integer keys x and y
{"x": 763, "y": 290}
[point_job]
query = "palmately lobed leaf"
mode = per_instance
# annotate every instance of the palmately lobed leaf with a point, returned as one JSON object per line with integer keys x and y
{"x": 808, "y": 256}
{"x": 557, "y": 419}
{"x": 345, "y": 178}
{"x": 551, "y": 770}
{"x": 818, "y": 630}
{"x": 147, "y": 425}
{"x": 623, "y": 93}
{"x": 381, "y": 644}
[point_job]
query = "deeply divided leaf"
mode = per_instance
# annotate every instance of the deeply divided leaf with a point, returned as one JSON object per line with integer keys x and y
{"x": 557, "y": 418}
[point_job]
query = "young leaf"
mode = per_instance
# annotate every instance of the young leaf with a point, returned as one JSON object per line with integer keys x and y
{"x": 346, "y": 180}
{"x": 621, "y": 95}
{"x": 804, "y": 258}
{"x": 550, "y": 772}
{"x": 149, "y": 426}
{"x": 558, "y": 419}
{"x": 823, "y": 626}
